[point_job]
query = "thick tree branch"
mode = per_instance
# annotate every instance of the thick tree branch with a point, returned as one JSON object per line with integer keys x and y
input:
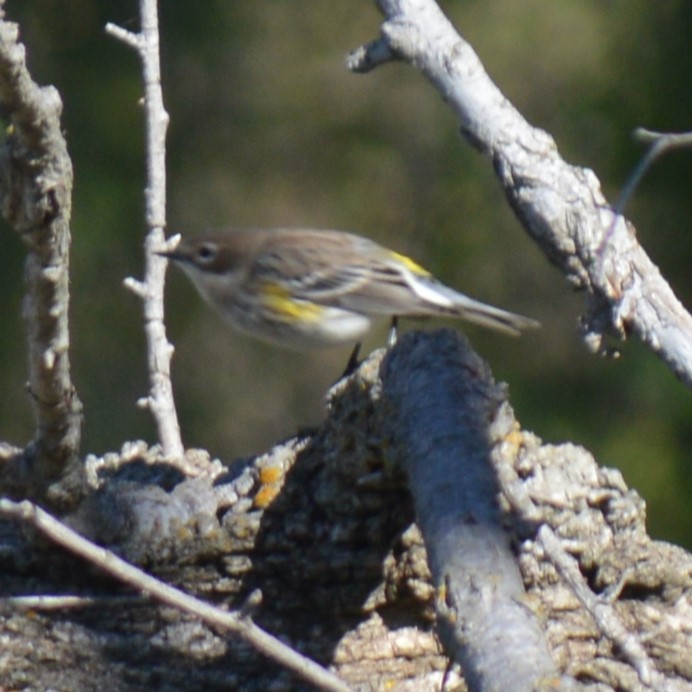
{"x": 446, "y": 415}
{"x": 561, "y": 206}
{"x": 321, "y": 525}
{"x": 35, "y": 194}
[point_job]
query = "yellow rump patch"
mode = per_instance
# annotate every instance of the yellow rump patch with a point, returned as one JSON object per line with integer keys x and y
{"x": 410, "y": 264}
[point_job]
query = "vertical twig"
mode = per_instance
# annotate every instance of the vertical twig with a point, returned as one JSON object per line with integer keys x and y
{"x": 36, "y": 199}
{"x": 159, "y": 350}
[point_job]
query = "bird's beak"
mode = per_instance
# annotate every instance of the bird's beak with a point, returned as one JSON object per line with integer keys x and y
{"x": 175, "y": 252}
{"x": 172, "y": 255}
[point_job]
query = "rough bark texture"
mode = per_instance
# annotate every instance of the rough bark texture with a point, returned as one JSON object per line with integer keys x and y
{"x": 561, "y": 206}
{"x": 447, "y": 419}
{"x": 35, "y": 197}
{"x": 323, "y": 526}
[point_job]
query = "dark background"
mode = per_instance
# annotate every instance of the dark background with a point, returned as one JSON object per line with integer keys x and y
{"x": 268, "y": 128}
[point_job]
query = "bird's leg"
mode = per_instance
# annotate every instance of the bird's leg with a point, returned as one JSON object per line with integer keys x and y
{"x": 392, "y": 336}
{"x": 352, "y": 363}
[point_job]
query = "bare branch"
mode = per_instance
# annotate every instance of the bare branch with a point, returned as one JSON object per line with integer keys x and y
{"x": 367, "y": 58}
{"x": 127, "y": 37}
{"x": 139, "y": 288}
{"x": 35, "y": 194}
{"x": 561, "y": 206}
{"x": 445, "y": 415}
{"x": 47, "y": 603}
{"x": 661, "y": 142}
{"x": 145, "y": 583}
{"x": 159, "y": 350}
{"x": 603, "y": 613}
{"x": 453, "y": 431}
{"x": 322, "y": 525}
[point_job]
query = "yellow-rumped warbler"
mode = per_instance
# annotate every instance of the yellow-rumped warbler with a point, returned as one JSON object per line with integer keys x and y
{"x": 305, "y": 288}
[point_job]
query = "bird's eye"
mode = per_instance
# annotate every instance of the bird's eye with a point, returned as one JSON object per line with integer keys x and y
{"x": 206, "y": 253}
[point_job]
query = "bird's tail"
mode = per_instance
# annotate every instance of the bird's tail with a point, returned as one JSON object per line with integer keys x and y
{"x": 492, "y": 317}
{"x": 452, "y": 303}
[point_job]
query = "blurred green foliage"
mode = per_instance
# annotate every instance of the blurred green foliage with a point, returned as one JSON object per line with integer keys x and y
{"x": 269, "y": 128}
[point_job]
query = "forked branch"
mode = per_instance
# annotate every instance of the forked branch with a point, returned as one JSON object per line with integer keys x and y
{"x": 561, "y": 206}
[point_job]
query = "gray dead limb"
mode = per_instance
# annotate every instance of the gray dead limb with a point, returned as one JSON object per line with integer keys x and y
{"x": 561, "y": 206}
{"x": 322, "y": 526}
{"x": 445, "y": 414}
{"x": 36, "y": 199}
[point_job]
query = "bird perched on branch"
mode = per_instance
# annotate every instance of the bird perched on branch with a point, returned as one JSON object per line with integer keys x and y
{"x": 306, "y": 288}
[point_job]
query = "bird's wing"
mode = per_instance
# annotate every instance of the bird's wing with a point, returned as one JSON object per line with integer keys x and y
{"x": 366, "y": 279}
{"x": 352, "y": 273}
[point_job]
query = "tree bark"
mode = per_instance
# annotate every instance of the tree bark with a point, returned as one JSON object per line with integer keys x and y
{"x": 36, "y": 199}
{"x": 323, "y": 527}
{"x": 561, "y": 206}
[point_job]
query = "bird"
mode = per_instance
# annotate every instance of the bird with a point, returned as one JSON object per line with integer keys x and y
{"x": 308, "y": 288}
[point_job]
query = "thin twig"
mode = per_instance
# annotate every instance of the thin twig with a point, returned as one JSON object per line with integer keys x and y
{"x": 160, "y": 399}
{"x": 561, "y": 206}
{"x": 141, "y": 581}
{"x": 54, "y": 602}
{"x": 127, "y": 37}
{"x": 603, "y": 613}
{"x": 661, "y": 142}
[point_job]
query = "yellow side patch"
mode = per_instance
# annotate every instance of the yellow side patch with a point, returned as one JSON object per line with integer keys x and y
{"x": 410, "y": 264}
{"x": 279, "y": 300}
